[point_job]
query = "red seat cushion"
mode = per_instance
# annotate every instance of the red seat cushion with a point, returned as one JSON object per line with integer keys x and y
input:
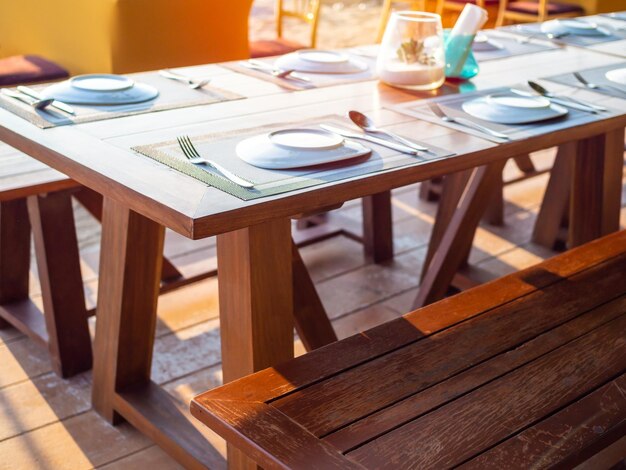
{"x": 27, "y": 69}
{"x": 487, "y": 2}
{"x": 532, "y": 8}
{"x": 272, "y": 47}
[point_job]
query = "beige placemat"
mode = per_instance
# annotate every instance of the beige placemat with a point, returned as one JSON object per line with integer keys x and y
{"x": 318, "y": 80}
{"x": 172, "y": 95}
{"x": 220, "y": 147}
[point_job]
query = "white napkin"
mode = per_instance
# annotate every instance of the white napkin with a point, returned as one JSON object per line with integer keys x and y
{"x": 471, "y": 20}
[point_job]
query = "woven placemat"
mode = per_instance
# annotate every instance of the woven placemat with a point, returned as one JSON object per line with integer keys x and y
{"x": 596, "y": 76}
{"x": 220, "y": 147}
{"x": 172, "y": 95}
{"x": 452, "y": 106}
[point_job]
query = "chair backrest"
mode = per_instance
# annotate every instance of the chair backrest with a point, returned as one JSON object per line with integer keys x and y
{"x": 304, "y": 10}
{"x": 388, "y": 6}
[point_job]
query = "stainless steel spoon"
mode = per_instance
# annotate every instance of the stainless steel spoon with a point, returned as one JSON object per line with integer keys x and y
{"x": 593, "y": 86}
{"x": 565, "y": 100}
{"x": 37, "y": 104}
{"x": 365, "y": 123}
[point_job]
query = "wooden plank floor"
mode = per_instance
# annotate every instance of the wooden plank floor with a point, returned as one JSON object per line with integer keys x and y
{"x": 46, "y": 422}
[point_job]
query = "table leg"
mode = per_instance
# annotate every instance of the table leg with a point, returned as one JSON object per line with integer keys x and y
{"x": 256, "y": 303}
{"x": 555, "y": 201}
{"x": 378, "y": 227}
{"x": 58, "y": 263}
{"x": 453, "y": 186}
{"x": 596, "y": 187}
{"x": 130, "y": 269}
{"x": 14, "y": 252}
{"x": 312, "y": 323}
{"x": 452, "y": 249}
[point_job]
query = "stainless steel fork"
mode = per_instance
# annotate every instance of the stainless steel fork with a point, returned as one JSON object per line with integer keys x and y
{"x": 192, "y": 154}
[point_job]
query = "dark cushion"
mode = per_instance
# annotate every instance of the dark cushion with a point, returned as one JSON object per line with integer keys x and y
{"x": 487, "y": 2}
{"x": 27, "y": 69}
{"x": 532, "y": 8}
{"x": 268, "y": 48}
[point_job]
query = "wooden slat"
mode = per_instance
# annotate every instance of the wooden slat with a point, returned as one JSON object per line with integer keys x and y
{"x": 567, "y": 437}
{"x": 296, "y": 448}
{"x": 443, "y": 392}
{"x": 531, "y": 392}
{"x": 337, "y": 401}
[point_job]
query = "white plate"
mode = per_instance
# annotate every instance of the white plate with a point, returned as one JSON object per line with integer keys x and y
{"x": 577, "y": 28}
{"x": 320, "y": 61}
{"x": 517, "y": 102}
{"x": 617, "y": 76}
{"x": 262, "y": 152}
{"x": 305, "y": 139}
{"x": 65, "y": 91}
{"x": 102, "y": 82}
{"x": 482, "y": 109}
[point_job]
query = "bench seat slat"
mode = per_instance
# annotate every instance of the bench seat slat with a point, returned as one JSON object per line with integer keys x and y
{"x": 594, "y": 419}
{"x": 339, "y": 400}
{"x": 494, "y": 412}
{"x": 388, "y": 418}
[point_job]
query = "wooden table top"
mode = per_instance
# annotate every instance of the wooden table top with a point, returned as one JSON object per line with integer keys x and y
{"x": 98, "y": 154}
{"x": 477, "y": 379}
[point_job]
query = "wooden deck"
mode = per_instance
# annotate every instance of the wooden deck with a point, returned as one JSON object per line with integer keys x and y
{"x": 46, "y": 422}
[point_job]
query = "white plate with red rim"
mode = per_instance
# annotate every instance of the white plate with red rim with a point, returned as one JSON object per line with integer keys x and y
{"x": 508, "y": 108}
{"x": 296, "y": 148}
{"x": 101, "y": 89}
{"x": 321, "y": 61}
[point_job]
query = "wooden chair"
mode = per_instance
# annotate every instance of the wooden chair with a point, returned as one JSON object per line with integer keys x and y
{"x": 388, "y": 6}
{"x": 532, "y": 11}
{"x": 306, "y": 11}
{"x": 528, "y": 371}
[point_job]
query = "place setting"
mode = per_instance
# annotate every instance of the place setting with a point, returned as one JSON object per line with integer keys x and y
{"x": 96, "y": 97}
{"x": 573, "y": 31}
{"x": 310, "y": 68}
{"x": 506, "y": 114}
{"x": 274, "y": 159}
{"x": 608, "y": 80}
{"x": 491, "y": 44}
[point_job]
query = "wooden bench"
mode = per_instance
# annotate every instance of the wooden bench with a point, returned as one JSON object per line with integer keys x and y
{"x": 525, "y": 371}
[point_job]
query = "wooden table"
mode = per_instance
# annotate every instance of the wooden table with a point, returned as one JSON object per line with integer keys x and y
{"x": 254, "y": 240}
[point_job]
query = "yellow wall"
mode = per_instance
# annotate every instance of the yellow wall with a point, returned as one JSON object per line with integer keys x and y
{"x": 121, "y": 36}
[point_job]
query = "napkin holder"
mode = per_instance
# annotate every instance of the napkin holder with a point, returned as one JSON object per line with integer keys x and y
{"x": 460, "y": 60}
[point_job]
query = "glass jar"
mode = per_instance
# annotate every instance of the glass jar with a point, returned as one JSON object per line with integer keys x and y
{"x": 412, "y": 53}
